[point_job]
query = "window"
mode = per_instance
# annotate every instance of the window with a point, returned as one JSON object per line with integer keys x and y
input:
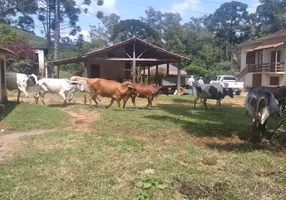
{"x": 229, "y": 78}
{"x": 274, "y": 80}
{"x": 250, "y": 58}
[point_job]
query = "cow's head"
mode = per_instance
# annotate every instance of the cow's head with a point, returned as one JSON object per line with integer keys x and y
{"x": 130, "y": 86}
{"x": 159, "y": 90}
{"x": 228, "y": 92}
{"x": 74, "y": 78}
{"x": 33, "y": 78}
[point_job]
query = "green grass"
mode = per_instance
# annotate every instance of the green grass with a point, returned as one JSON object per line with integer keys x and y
{"x": 169, "y": 144}
{"x": 25, "y": 117}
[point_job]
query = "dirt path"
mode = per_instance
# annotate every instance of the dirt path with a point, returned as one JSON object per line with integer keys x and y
{"x": 81, "y": 119}
{"x": 11, "y": 142}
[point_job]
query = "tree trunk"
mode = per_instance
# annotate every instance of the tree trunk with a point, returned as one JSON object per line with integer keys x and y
{"x": 57, "y": 30}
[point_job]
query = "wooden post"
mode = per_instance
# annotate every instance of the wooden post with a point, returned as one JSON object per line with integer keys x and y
{"x": 156, "y": 76}
{"x": 134, "y": 64}
{"x": 149, "y": 75}
{"x": 144, "y": 74}
{"x": 276, "y": 57}
{"x": 179, "y": 79}
{"x": 58, "y": 73}
{"x": 85, "y": 68}
{"x": 168, "y": 69}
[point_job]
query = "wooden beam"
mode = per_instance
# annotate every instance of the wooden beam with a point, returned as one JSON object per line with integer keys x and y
{"x": 156, "y": 76}
{"x": 137, "y": 59}
{"x": 125, "y": 52}
{"x": 58, "y": 74}
{"x": 149, "y": 81}
{"x": 85, "y": 68}
{"x": 179, "y": 79}
{"x": 134, "y": 64}
{"x": 168, "y": 69}
{"x": 142, "y": 53}
{"x": 144, "y": 74}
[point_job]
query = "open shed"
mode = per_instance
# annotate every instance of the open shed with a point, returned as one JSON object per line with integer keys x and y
{"x": 119, "y": 61}
{"x": 3, "y": 92}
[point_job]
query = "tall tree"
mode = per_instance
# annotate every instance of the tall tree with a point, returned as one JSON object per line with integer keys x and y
{"x": 271, "y": 16}
{"x": 131, "y": 27}
{"x": 69, "y": 11}
{"x": 230, "y": 22}
{"x": 17, "y": 12}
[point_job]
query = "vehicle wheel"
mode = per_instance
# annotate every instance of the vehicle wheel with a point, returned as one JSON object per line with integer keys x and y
{"x": 238, "y": 92}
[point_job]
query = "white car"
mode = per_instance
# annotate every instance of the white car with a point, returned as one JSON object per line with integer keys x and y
{"x": 229, "y": 81}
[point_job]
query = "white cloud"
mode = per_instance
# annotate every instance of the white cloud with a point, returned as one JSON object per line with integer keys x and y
{"x": 181, "y": 7}
{"x": 85, "y": 34}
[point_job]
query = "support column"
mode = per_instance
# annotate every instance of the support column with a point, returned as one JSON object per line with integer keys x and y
{"x": 156, "y": 76}
{"x": 149, "y": 75}
{"x": 276, "y": 57}
{"x": 179, "y": 79}
{"x": 85, "y": 69}
{"x": 144, "y": 74}
{"x": 134, "y": 64}
{"x": 58, "y": 73}
{"x": 168, "y": 69}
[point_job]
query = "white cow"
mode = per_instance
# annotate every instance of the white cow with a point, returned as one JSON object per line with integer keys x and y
{"x": 84, "y": 84}
{"x": 20, "y": 82}
{"x": 63, "y": 87}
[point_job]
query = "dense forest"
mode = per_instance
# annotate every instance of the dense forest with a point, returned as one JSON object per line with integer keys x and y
{"x": 209, "y": 41}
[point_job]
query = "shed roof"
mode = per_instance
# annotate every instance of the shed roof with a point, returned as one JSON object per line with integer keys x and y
{"x": 146, "y": 54}
{"x": 280, "y": 33}
{"x": 5, "y": 50}
{"x": 266, "y": 46}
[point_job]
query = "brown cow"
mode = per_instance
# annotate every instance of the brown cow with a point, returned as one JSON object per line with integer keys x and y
{"x": 108, "y": 88}
{"x": 143, "y": 91}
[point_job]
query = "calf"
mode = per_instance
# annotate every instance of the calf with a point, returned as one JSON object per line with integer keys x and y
{"x": 208, "y": 91}
{"x": 143, "y": 91}
{"x": 63, "y": 87}
{"x": 260, "y": 103}
{"x": 84, "y": 84}
{"x": 20, "y": 82}
{"x": 107, "y": 88}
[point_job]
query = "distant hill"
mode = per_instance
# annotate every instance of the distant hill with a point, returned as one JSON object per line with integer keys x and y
{"x": 35, "y": 41}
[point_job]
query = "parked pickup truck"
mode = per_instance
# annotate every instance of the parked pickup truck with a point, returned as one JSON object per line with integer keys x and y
{"x": 228, "y": 81}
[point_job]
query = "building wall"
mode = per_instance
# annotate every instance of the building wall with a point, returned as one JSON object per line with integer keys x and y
{"x": 112, "y": 70}
{"x": 3, "y": 92}
{"x": 243, "y": 55}
{"x": 41, "y": 59}
{"x": 248, "y": 80}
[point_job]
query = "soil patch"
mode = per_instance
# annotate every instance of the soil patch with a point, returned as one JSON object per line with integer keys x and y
{"x": 81, "y": 118}
{"x": 10, "y": 143}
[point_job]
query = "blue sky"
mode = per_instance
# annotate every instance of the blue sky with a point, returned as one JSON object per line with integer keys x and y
{"x": 134, "y": 9}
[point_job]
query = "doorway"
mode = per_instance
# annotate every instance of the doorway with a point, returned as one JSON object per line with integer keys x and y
{"x": 94, "y": 71}
{"x": 256, "y": 80}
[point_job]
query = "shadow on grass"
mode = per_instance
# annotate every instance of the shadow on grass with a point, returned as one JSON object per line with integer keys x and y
{"x": 9, "y": 107}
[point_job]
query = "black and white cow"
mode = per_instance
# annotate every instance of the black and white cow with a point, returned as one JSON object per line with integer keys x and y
{"x": 260, "y": 103}
{"x": 20, "y": 82}
{"x": 208, "y": 91}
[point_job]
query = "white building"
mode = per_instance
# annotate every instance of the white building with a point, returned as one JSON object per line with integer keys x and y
{"x": 263, "y": 60}
{"x": 3, "y": 92}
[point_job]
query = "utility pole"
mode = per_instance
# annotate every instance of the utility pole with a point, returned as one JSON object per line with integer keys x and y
{"x": 57, "y": 32}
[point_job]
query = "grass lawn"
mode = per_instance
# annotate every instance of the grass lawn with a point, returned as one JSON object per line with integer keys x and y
{"x": 167, "y": 152}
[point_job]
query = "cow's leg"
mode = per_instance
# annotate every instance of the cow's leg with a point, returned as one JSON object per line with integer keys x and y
{"x": 256, "y": 129}
{"x": 118, "y": 102}
{"x": 133, "y": 100}
{"x": 111, "y": 102}
{"x": 64, "y": 97}
{"x": 18, "y": 95}
{"x": 95, "y": 99}
{"x": 42, "y": 96}
{"x": 125, "y": 100}
{"x": 205, "y": 103}
{"x": 195, "y": 101}
{"x": 84, "y": 99}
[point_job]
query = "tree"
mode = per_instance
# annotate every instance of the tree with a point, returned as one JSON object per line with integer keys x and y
{"x": 24, "y": 59}
{"x": 19, "y": 9}
{"x": 59, "y": 15}
{"x": 230, "y": 22}
{"x": 270, "y": 16}
{"x": 8, "y": 35}
{"x": 133, "y": 28}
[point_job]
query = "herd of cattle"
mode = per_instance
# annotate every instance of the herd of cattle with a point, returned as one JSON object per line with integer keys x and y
{"x": 260, "y": 102}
